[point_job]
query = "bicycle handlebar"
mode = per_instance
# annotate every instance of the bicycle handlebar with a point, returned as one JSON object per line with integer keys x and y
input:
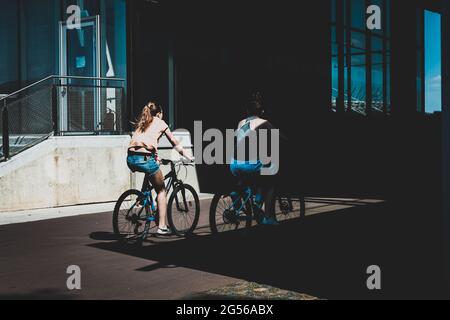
{"x": 184, "y": 161}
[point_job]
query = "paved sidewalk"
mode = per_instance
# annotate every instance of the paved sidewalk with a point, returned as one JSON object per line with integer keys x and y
{"x": 35, "y": 256}
{"x": 14, "y": 217}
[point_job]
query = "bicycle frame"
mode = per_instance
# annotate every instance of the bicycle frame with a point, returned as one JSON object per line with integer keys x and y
{"x": 243, "y": 203}
{"x": 172, "y": 182}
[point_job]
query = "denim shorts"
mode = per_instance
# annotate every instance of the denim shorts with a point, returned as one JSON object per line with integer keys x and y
{"x": 145, "y": 164}
{"x": 245, "y": 168}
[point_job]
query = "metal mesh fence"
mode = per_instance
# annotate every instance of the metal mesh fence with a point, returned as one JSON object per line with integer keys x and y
{"x": 90, "y": 109}
{"x": 29, "y": 118}
{"x": 52, "y": 106}
{"x": 31, "y": 114}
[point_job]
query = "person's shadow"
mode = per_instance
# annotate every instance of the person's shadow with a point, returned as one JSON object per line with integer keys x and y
{"x": 323, "y": 255}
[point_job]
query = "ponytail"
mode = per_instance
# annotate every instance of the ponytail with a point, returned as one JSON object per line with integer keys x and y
{"x": 146, "y": 118}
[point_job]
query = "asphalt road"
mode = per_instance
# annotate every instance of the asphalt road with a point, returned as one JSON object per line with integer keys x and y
{"x": 325, "y": 255}
{"x": 34, "y": 258}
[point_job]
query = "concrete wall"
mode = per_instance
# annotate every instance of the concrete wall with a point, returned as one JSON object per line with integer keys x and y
{"x": 65, "y": 171}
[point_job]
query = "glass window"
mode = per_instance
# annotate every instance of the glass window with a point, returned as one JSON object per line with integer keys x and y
{"x": 433, "y": 79}
{"x": 358, "y": 14}
{"x": 334, "y": 58}
{"x": 355, "y": 73}
{"x": 358, "y": 71}
{"x": 39, "y": 39}
{"x": 29, "y": 28}
{"x": 9, "y": 56}
{"x": 334, "y": 68}
{"x": 377, "y": 75}
{"x": 387, "y": 78}
{"x": 115, "y": 42}
{"x": 113, "y": 32}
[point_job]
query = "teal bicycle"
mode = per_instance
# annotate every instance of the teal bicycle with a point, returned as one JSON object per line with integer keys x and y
{"x": 232, "y": 211}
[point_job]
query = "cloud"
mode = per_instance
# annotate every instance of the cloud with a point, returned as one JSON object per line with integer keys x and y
{"x": 435, "y": 82}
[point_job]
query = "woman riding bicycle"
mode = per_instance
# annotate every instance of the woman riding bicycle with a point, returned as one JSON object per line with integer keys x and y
{"x": 143, "y": 155}
{"x": 248, "y": 170}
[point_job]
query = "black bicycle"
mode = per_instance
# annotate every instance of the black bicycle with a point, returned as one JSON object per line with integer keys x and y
{"x": 136, "y": 213}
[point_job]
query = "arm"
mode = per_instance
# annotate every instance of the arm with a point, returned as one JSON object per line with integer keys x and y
{"x": 268, "y": 126}
{"x": 240, "y": 124}
{"x": 176, "y": 144}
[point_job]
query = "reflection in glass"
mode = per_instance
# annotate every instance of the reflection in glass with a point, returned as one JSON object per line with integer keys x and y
{"x": 356, "y": 68}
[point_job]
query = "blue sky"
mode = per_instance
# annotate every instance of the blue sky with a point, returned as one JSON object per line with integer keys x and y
{"x": 433, "y": 92}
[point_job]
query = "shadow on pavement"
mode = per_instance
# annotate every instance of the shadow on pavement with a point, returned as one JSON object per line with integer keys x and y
{"x": 103, "y": 236}
{"x": 44, "y": 294}
{"x": 325, "y": 255}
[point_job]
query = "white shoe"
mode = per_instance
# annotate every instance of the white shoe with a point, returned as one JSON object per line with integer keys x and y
{"x": 164, "y": 232}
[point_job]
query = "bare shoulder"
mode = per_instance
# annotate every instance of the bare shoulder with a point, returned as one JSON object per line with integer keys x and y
{"x": 259, "y": 122}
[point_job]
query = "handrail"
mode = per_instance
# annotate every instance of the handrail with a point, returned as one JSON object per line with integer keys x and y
{"x": 89, "y": 78}
{"x": 5, "y": 134}
{"x": 25, "y": 88}
{"x": 59, "y": 77}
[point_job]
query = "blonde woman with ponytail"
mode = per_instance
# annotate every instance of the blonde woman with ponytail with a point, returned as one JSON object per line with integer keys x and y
{"x": 143, "y": 154}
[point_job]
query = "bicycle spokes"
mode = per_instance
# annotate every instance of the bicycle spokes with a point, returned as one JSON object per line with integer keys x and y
{"x": 182, "y": 210}
{"x": 230, "y": 214}
{"x": 132, "y": 216}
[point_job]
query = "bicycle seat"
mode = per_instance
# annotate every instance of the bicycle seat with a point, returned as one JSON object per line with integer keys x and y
{"x": 166, "y": 162}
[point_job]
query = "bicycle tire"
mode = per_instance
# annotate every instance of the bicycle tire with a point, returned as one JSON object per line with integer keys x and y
{"x": 116, "y": 228}
{"x": 170, "y": 214}
{"x": 213, "y": 213}
{"x": 302, "y": 207}
{"x": 298, "y": 212}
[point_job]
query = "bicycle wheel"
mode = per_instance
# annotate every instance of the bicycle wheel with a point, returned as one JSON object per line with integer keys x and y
{"x": 290, "y": 208}
{"x": 129, "y": 217}
{"x": 302, "y": 206}
{"x": 183, "y": 211}
{"x": 223, "y": 217}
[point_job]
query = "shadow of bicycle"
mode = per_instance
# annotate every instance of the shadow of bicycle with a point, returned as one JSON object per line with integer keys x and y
{"x": 324, "y": 255}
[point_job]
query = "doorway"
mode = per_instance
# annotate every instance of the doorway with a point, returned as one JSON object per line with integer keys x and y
{"x": 79, "y": 96}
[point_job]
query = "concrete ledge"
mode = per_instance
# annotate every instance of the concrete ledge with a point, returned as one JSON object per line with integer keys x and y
{"x": 64, "y": 171}
{"x": 68, "y": 171}
{"x": 24, "y": 216}
{"x": 15, "y": 217}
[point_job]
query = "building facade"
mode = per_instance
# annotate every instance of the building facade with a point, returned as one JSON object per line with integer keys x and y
{"x": 346, "y": 95}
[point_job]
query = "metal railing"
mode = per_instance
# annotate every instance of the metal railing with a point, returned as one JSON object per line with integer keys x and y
{"x": 60, "y": 105}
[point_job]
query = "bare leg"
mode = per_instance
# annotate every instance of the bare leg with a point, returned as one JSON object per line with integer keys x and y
{"x": 158, "y": 183}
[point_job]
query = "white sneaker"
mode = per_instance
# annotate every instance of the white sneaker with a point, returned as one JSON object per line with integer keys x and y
{"x": 164, "y": 232}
